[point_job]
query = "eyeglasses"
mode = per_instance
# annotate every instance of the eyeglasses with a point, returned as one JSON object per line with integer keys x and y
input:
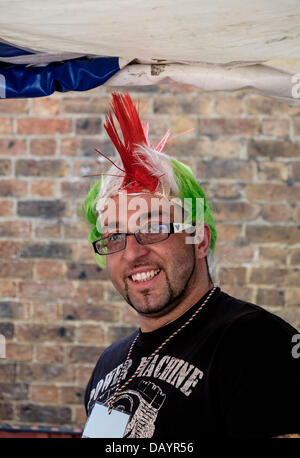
{"x": 149, "y": 234}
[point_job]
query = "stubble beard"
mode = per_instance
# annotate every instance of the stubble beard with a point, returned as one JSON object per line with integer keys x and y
{"x": 171, "y": 300}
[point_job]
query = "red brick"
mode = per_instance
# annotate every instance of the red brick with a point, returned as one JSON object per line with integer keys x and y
{"x": 129, "y": 316}
{"x": 89, "y": 290}
{"x": 296, "y": 214}
{"x": 270, "y": 297}
{"x": 232, "y": 254}
{"x": 43, "y": 146}
{"x": 295, "y": 256}
{"x": 74, "y": 189}
{"x": 44, "y": 393}
{"x": 49, "y": 270}
{"x": 85, "y": 104}
{"x": 11, "y": 146}
{"x": 56, "y": 415}
{"x": 88, "y": 126}
{"x": 88, "y": 311}
{"x": 79, "y": 230}
{"x": 43, "y": 126}
{"x": 13, "y": 310}
{"x": 119, "y": 332}
{"x": 51, "y": 354}
{"x": 229, "y": 232}
{"x": 69, "y": 146}
{"x": 6, "y": 411}
{"x": 272, "y": 234}
{"x": 13, "y": 188}
{"x": 6, "y": 126}
{"x": 296, "y": 125}
{"x": 295, "y": 171}
{"x": 88, "y": 166}
{"x": 227, "y": 191}
{"x": 13, "y": 392}
{"x": 273, "y": 149}
{"x": 14, "y": 106}
{"x": 232, "y": 275}
{"x": 226, "y": 168}
{"x": 229, "y": 105}
{"x": 71, "y": 395}
{"x": 227, "y": 126}
{"x": 43, "y": 290}
{"x": 267, "y": 191}
{"x": 45, "y": 105}
{"x": 36, "y": 332}
{"x": 235, "y": 211}
{"x": 272, "y": 171}
{"x": 272, "y": 255}
{"x": 43, "y": 188}
{"x": 9, "y": 249}
{"x": 47, "y": 312}
{"x": 84, "y": 251}
{"x": 292, "y": 296}
{"x": 16, "y": 269}
{"x": 275, "y": 127}
{"x": 8, "y": 288}
{"x": 83, "y": 374}
{"x": 227, "y": 147}
{"x": 90, "y": 334}
{"x": 7, "y": 372}
{"x": 80, "y": 416}
{"x": 5, "y": 167}
{"x": 16, "y": 229}
{"x": 6, "y": 208}
{"x": 43, "y": 167}
{"x": 84, "y": 354}
{"x": 263, "y": 105}
{"x": 276, "y": 212}
{"x": 19, "y": 352}
{"x": 48, "y": 229}
{"x": 275, "y": 276}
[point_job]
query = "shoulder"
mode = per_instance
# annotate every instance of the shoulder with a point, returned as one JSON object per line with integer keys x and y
{"x": 240, "y": 314}
{"x": 253, "y": 333}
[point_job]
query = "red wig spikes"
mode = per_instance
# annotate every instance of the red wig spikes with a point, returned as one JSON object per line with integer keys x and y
{"x": 137, "y": 177}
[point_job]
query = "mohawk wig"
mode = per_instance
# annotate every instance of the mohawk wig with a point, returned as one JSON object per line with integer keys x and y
{"x": 145, "y": 169}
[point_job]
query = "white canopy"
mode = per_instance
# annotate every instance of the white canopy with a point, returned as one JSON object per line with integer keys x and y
{"x": 214, "y": 45}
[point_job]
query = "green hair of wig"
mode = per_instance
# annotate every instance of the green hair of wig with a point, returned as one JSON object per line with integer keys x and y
{"x": 188, "y": 189}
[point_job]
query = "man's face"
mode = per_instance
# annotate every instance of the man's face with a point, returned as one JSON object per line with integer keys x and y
{"x": 169, "y": 265}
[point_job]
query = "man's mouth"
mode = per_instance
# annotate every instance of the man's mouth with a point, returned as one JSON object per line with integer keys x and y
{"x": 144, "y": 276}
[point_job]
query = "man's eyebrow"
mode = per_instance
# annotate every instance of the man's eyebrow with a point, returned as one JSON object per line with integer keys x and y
{"x": 115, "y": 224}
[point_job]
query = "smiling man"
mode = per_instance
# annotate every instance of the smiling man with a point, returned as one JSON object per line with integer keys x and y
{"x": 202, "y": 363}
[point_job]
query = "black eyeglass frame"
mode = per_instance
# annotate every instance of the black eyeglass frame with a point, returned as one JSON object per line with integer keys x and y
{"x": 171, "y": 231}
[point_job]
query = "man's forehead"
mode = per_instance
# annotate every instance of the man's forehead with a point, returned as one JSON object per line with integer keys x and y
{"x": 122, "y": 209}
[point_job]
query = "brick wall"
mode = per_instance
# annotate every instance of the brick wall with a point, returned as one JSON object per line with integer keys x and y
{"x": 58, "y": 310}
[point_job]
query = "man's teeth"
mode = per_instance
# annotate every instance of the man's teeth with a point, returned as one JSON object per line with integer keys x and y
{"x": 144, "y": 276}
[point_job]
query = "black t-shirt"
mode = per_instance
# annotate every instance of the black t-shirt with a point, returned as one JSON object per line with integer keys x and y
{"x": 229, "y": 373}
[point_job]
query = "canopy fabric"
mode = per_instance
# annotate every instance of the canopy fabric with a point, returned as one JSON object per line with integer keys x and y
{"x": 216, "y": 45}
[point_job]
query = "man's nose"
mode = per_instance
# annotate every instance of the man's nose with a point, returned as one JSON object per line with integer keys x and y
{"x": 134, "y": 249}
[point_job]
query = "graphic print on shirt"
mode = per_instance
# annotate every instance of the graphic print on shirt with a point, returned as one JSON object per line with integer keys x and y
{"x": 145, "y": 401}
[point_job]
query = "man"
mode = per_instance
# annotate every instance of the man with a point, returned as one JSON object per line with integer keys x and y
{"x": 202, "y": 363}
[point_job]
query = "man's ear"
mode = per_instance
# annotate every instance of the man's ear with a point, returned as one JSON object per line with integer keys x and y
{"x": 202, "y": 240}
